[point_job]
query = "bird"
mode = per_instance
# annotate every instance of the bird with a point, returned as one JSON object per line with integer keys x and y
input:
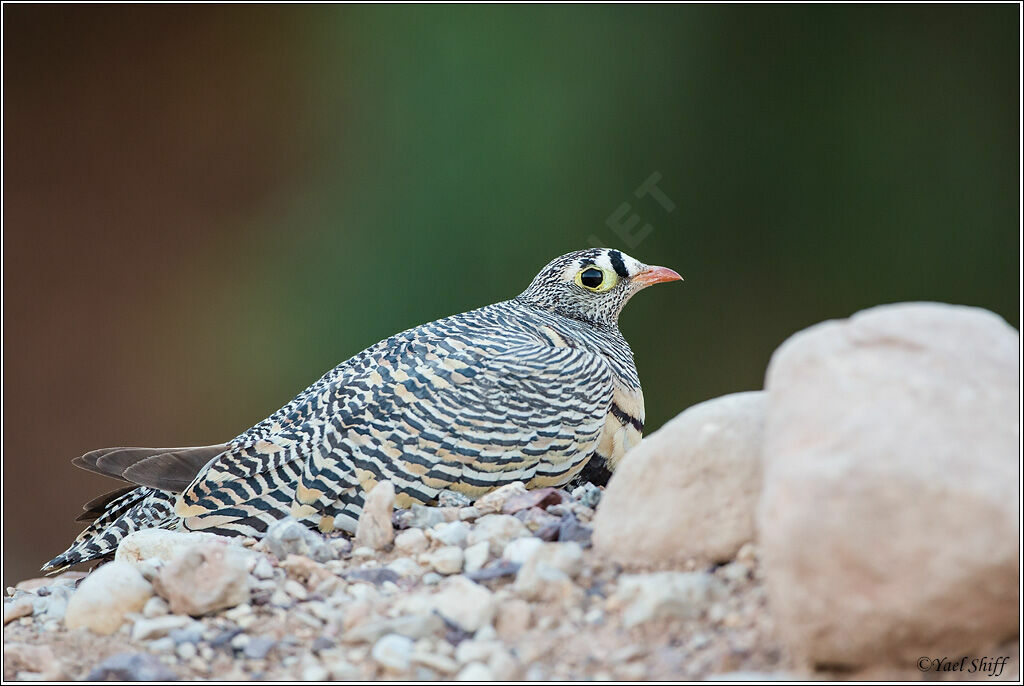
{"x": 541, "y": 389}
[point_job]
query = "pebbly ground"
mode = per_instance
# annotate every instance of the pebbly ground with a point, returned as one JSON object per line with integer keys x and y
{"x": 468, "y": 592}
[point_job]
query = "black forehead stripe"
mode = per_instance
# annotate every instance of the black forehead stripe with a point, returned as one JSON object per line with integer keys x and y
{"x": 618, "y": 264}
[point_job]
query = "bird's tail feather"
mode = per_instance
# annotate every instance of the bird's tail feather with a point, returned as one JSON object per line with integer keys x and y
{"x": 154, "y": 476}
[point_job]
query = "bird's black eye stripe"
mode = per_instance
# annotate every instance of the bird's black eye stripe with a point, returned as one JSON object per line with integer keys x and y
{"x": 618, "y": 264}
{"x": 592, "y": 278}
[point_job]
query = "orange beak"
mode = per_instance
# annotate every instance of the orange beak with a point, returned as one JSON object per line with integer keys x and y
{"x": 653, "y": 275}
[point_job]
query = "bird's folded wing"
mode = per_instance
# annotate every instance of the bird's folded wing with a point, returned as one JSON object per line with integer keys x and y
{"x": 426, "y": 417}
{"x": 470, "y": 420}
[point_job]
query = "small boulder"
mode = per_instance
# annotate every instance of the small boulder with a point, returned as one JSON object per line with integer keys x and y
{"x": 105, "y": 596}
{"x": 205, "y": 578}
{"x": 689, "y": 490}
{"x": 375, "y": 529}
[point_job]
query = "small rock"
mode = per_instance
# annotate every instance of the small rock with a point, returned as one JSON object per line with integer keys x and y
{"x": 257, "y": 648}
{"x": 161, "y": 544}
{"x": 131, "y": 667}
{"x": 540, "y": 497}
{"x": 393, "y": 652}
{"x": 161, "y": 645}
{"x": 475, "y": 671}
{"x": 375, "y": 529}
{"x": 186, "y": 651}
{"x": 205, "y": 578}
{"x": 447, "y": 560}
{"x": 503, "y": 666}
{"x": 105, "y": 596}
{"x": 466, "y": 604}
{"x": 513, "y": 619}
{"x": 295, "y": 589}
{"x": 423, "y": 517}
{"x": 289, "y": 536}
{"x": 315, "y": 672}
{"x": 495, "y": 570}
{"x": 467, "y": 514}
{"x": 520, "y": 550}
{"x": 305, "y": 570}
{"x": 321, "y": 643}
{"x": 372, "y": 575}
{"x": 535, "y": 519}
{"x": 16, "y": 609}
{"x": 476, "y": 556}
{"x": 411, "y": 542}
{"x": 451, "y": 533}
{"x": 155, "y": 607}
{"x": 364, "y": 552}
{"x": 432, "y": 578}
{"x": 498, "y": 530}
{"x": 29, "y": 585}
{"x": 403, "y": 566}
{"x": 665, "y": 594}
{"x": 188, "y": 635}
{"x": 495, "y": 500}
{"x": 264, "y": 569}
{"x": 35, "y": 660}
{"x": 570, "y": 530}
{"x": 448, "y": 498}
{"x": 438, "y": 663}
{"x": 587, "y": 494}
{"x": 411, "y": 626}
{"x": 158, "y": 627}
{"x": 549, "y": 571}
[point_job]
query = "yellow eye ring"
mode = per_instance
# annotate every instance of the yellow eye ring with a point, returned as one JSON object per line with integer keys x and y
{"x": 596, "y": 279}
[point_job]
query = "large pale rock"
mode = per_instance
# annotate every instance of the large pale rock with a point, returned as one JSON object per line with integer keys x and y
{"x": 204, "y": 578}
{"x": 375, "y": 529}
{"x": 888, "y": 522}
{"x": 689, "y": 490}
{"x": 106, "y": 596}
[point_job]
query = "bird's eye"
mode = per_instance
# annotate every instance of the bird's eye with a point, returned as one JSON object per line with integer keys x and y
{"x": 595, "y": 279}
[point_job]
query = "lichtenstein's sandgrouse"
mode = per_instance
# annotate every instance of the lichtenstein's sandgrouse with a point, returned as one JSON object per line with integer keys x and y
{"x": 541, "y": 389}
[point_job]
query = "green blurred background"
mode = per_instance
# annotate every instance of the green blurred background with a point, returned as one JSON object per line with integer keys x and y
{"x": 207, "y": 207}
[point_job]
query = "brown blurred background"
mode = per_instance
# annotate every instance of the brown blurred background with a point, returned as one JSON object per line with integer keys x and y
{"x": 206, "y": 207}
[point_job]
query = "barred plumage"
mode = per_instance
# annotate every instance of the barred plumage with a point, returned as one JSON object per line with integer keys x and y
{"x": 541, "y": 389}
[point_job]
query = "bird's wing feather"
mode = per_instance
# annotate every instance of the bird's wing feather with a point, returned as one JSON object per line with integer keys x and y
{"x": 427, "y": 416}
{"x": 470, "y": 420}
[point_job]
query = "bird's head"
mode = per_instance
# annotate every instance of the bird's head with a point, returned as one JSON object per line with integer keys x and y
{"x": 592, "y": 285}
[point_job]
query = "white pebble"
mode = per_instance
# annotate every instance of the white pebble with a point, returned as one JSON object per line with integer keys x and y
{"x": 393, "y": 652}
{"x": 411, "y": 541}
{"x": 447, "y": 560}
{"x": 476, "y": 556}
{"x": 475, "y": 671}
